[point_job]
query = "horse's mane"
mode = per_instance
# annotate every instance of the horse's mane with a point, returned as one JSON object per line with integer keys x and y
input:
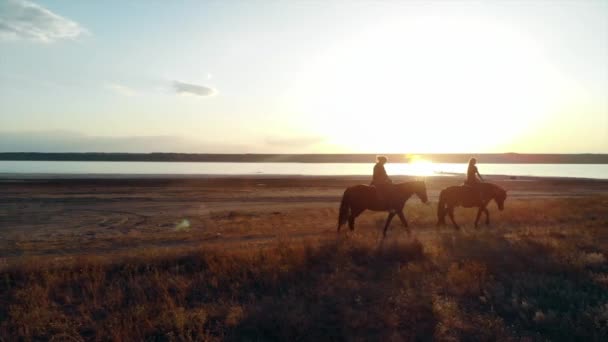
{"x": 495, "y": 187}
{"x": 410, "y": 184}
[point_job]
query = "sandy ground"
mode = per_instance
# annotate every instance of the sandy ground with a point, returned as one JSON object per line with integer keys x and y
{"x": 57, "y": 217}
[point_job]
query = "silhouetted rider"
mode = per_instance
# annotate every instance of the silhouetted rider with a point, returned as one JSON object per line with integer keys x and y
{"x": 383, "y": 184}
{"x": 380, "y": 177}
{"x": 472, "y": 180}
{"x": 472, "y": 173}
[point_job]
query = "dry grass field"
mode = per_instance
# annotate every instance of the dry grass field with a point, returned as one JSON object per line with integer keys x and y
{"x": 259, "y": 259}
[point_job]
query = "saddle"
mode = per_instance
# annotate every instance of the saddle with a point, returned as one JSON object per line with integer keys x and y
{"x": 383, "y": 192}
{"x": 472, "y": 185}
{"x": 475, "y": 190}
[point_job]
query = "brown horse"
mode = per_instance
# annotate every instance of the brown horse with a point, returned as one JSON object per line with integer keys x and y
{"x": 469, "y": 197}
{"x": 358, "y": 198}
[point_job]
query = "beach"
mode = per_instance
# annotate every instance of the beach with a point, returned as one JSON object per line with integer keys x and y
{"x": 63, "y": 216}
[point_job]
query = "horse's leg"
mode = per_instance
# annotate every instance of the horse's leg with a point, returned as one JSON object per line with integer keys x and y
{"x": 487, "y": 215}
{"x": 403, "y": 220}
{"x": 351, "y": 222}
{"x": 481, "y": 209}
{"x": 388, "y": 222}
{"x": 451, "y": 214}
{"x": 353, "y": 215}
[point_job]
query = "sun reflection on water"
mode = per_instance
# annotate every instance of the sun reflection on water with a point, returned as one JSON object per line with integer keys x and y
{"x": 415, "y": 166}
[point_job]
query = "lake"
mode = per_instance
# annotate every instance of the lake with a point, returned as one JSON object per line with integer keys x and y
{"x": 10, "y": 168}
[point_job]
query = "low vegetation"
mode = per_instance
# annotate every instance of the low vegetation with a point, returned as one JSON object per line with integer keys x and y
{"x": 540, "y": 273}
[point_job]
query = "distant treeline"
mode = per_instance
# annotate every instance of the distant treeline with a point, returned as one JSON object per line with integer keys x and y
{"x": 500, "y": 158}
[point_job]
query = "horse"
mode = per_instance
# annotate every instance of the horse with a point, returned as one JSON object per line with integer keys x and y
{"x": 358, "y": 198}
{"x": 467, "y": 196}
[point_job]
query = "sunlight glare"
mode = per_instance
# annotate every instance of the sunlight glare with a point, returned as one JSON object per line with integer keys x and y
{"x": 468, "y": 83}
{"x": 416, "y": 166}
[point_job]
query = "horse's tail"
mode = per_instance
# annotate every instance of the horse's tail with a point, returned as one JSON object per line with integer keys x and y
{"x": 441, "y": 208}
{"x": 344, "y": 210}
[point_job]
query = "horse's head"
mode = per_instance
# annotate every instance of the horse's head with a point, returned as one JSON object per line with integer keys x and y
{"x": 500, "y": 195}
{"x": 420, "y": 190}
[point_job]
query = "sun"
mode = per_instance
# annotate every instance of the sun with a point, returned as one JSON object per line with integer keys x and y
{"x": 416, "y": 166}
{"x": 422, "y": 168}
{"x": 429, "y": 84}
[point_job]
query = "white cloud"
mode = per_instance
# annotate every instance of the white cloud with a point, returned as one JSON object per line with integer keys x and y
{"x": 193, "y": 89}
{"x": 121, "y": 89}
{"x": 24, "y": 20}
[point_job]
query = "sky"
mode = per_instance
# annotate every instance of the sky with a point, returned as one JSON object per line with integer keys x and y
{"x": 310, "y": 76}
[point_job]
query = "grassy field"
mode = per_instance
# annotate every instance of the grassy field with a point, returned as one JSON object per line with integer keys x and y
{"x": 538, "y": 273}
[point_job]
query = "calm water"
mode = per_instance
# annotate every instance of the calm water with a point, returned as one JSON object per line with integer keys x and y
{"x": 417, "y": 169}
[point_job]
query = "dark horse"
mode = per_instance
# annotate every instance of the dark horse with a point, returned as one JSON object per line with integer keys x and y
{"x": 469, "y": 197}
{"x": 358, "y": 198}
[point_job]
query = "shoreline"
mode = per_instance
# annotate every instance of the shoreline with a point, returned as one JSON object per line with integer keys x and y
{"x": 4, "y": 177}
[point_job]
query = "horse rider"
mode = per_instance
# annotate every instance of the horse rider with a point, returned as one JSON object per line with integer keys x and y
{"x": 381, "y": 181}
{"x": 472, "y": 174}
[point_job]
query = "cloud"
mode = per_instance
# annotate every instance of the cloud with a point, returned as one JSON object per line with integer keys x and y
{"x": 178, "y": 87}
{"x": 24, "y": 20}
{"x": 121, "y": 89}
{"x": 193, "y": 89}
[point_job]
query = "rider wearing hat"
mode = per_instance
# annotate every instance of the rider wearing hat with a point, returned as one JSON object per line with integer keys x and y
{"x": 380, "y": 177}
{"x": 381, "y": 180}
